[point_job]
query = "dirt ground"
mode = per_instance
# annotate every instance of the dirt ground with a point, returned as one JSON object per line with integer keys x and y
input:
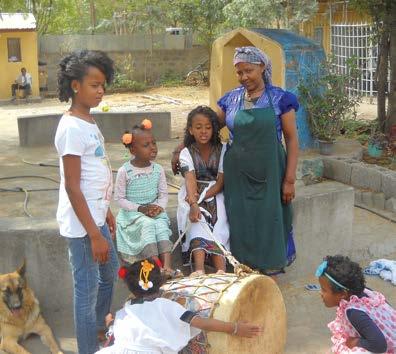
{"x": 185, "y": 97}
{"x": 307, "y": 317}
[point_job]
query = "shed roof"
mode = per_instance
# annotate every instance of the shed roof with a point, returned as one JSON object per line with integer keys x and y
{"x": 17, "y": 21}
{"x": 289, "y": 40}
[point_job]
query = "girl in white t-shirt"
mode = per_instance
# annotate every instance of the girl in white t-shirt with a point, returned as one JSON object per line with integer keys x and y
{"x": 150, "y": 324}
{"x": 201, "y": 213}
{"x": 83, "y": 214}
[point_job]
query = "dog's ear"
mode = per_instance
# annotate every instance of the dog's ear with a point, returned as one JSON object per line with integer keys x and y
{"x": 22, "y": 269}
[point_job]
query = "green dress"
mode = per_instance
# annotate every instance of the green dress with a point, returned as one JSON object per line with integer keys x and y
{"x": 139, "y": 236}
{"x": 254, "y": 168}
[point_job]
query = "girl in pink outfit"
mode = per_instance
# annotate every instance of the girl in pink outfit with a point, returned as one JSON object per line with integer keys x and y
{"x": 365, "y": 322}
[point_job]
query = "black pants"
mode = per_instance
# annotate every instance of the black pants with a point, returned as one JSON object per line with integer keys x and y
{"x": 15, "y": 87}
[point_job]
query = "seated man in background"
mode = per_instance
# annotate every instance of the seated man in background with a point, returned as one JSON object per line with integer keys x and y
{"x": 24, "y": 82}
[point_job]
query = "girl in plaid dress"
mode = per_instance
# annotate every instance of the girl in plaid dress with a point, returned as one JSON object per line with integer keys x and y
{"x": 141, "y": 192}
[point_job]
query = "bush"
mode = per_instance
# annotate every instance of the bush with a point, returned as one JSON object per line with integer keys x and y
{"x": 327, "y": 101}
{"x": 170, "y": 79}
{"x": 122, "y": 81}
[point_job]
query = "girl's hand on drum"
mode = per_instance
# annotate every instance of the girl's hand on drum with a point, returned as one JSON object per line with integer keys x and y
{"x": 288, "y": 192}
{"x": 195, "y": 212}
{"x": 248, "y": 330}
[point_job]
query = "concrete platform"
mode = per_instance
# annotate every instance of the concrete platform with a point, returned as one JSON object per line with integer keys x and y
{"x": 21, "y": 101}
{"x": 39, "y": 130}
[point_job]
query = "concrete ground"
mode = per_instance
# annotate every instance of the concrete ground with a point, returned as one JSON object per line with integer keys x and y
{"x": 307, "y": 317}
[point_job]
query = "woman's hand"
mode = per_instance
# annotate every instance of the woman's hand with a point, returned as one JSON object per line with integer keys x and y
{"x": 352, "y": 342}
{"x": 175, "y": 163}
{"x": 175, "y": 159}
{"x": 195, "y": 212}
{"x": 288, "y": 191}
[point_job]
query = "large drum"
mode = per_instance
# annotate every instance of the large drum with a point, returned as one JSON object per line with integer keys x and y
{"x": 227, "y": 297}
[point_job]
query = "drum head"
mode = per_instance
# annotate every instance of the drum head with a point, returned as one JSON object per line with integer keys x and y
{"x": 256, "y": 299}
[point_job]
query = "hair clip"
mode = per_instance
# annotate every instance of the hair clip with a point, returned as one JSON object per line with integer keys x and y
{"x": 122, "y": 272}
{"x": 146, "y": 124}
{"x": 144, "y": 282}
{"x": 127, "y": 138}
{"x": 321, "y": 271}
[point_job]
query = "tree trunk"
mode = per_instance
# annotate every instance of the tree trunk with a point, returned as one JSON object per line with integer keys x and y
{"x": 391, "y": 117}
{"x": 382, "y": 76}
{"x": 93, "y": 15}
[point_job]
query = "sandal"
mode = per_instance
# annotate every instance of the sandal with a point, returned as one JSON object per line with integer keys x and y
{"x": 197, "y": 273}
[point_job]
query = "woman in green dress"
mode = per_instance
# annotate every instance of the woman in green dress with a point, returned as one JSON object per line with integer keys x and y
{"x": 259, "y": 175}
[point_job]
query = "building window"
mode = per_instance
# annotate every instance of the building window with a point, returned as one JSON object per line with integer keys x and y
{"x": 318, "y": 35}
{"x": 14, "y": 49}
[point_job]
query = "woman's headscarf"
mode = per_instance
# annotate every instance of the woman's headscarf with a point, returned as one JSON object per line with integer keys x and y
{"x": 254, "y": 55}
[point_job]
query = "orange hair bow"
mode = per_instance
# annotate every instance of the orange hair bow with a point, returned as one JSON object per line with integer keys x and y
{"x": 127, "y": 138}
{"x": 146, "y": 124}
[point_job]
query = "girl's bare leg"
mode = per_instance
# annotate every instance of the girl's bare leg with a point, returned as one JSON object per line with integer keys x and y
{"x": 166, "y": 260}
{"x": 219, "y": 263}
{"x": 199, "y": 262}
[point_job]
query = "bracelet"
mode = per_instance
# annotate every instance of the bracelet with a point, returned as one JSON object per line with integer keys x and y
{"x": 235, "y": 331}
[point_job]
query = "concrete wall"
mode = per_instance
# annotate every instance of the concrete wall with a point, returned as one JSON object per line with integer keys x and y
{"x": 40, "y": 129}
{"x": 10, "y": 70}
{"x": 113, "y": 43}
{"x": 323, "y": 220}
{"x": 323, "y": 225}
{"x": 132, "y": 54}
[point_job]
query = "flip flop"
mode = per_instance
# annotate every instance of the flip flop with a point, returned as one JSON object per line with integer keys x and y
{"x": 369, "y": 271}
{"x": 312, "y": 287}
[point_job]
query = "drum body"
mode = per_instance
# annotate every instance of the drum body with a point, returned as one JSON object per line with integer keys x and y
{"x": 254, "y": 298}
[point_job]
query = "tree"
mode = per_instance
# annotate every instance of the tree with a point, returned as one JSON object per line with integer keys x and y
{"x": 269, "y": 13}
{"x": 204, "y": 17}
{"x": 383, "y": 13}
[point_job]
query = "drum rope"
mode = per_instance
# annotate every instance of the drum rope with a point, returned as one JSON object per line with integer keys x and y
{"x": 240, "y": 269}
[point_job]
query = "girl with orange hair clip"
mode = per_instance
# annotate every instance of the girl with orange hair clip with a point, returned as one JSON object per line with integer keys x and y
{"x": 143, "y": 227}
{"x": 151, "y": 324}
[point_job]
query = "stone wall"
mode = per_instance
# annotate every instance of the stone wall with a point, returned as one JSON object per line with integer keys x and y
{"x": 375, "y": 186}
{"x": 132, "y": 56}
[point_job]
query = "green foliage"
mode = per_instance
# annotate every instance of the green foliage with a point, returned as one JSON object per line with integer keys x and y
{"x": 359, "y": 130}
{"x": 171, "y": 79}
{"x": 285, "y": 14}
{"x": 327, "y": 102}
{"x": 206, "y": 18}
{"x": 121, "y": 81}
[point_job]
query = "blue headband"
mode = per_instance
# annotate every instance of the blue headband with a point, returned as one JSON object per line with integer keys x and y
{"x": 321, "y": 271}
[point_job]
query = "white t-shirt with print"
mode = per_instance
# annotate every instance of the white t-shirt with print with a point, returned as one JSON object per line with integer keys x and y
{"x": 75, "y": 136}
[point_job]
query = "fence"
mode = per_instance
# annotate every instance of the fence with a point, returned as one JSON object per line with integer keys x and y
{"x": 356, "y": 40}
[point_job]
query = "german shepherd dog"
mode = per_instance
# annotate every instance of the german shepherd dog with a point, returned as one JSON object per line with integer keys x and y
{"x": 20, "y": 314}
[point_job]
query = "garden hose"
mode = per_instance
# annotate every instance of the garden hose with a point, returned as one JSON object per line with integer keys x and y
{"x": 26, "y": 191}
